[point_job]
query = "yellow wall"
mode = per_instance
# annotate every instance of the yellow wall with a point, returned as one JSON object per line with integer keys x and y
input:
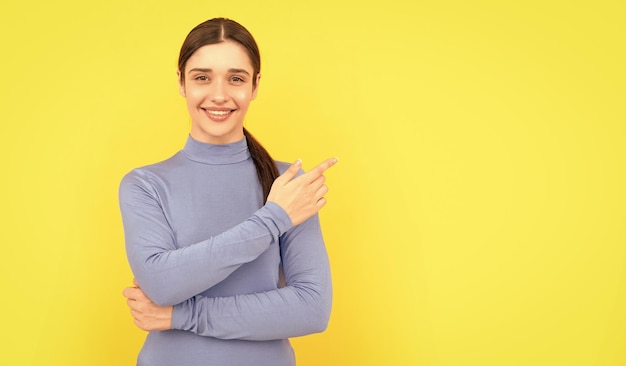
{"x": 476, "y": 217}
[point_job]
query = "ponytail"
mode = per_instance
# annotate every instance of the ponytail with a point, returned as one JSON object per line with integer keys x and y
{"x": 265, "y": 166}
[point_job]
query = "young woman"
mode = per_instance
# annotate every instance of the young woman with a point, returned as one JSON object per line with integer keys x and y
{"x": 228, "y": 256}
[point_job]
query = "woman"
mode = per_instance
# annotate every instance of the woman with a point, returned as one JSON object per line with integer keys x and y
{"x": 228, "y": 256}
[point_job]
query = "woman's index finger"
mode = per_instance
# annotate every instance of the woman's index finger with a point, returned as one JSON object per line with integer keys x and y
{"x": 321, "y": 168}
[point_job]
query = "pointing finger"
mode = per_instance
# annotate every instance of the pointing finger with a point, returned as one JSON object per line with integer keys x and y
{"x": 316, "y": 172}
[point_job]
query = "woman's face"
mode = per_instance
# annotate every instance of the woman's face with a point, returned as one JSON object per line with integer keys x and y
{"x": 218, "y": 88}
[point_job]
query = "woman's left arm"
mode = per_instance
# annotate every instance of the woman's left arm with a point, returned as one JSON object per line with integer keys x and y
{"x": 301, "y": 307}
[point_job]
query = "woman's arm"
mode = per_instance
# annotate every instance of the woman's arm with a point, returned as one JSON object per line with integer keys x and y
{"x": 300, "y": 308}
{"x": 170, "y": 275}
{"x": 164, "y": 271}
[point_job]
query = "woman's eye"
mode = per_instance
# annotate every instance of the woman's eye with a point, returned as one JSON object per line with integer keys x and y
{"x": 237, "y": 79}
{"x": 201, "y": 78}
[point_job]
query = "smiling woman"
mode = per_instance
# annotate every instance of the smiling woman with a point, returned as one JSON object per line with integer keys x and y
{"x": 218, "y": 86}
{"x": 211, "y": 231}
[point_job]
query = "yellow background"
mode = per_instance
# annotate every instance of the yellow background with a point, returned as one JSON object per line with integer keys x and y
{"x": 476, "y": 216}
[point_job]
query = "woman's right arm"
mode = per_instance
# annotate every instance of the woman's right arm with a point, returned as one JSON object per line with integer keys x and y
{"x": 170, "y": 275}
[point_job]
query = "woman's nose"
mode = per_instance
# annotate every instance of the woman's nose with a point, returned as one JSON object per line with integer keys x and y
{"x": 218, "y": 92}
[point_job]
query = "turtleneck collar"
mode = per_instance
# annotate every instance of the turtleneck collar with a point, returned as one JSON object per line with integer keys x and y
{"x": 202, "y": 152}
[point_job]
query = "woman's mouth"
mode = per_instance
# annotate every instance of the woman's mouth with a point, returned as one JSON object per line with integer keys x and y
{"x": 218, "y": 115}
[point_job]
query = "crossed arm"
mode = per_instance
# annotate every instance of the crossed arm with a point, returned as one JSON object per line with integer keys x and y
{"x": 302, "y": 307}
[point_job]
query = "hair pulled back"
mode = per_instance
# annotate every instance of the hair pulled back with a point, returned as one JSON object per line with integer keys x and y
{"x": 218, "y": 30}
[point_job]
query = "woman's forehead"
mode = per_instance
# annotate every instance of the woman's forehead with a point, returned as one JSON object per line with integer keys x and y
{"x": 220, "y": 56}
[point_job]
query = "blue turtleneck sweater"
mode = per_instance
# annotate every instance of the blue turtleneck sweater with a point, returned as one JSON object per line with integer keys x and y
{"x": 199, "y": 237}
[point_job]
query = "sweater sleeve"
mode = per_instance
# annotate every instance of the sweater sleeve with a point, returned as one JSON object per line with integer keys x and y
{"x": 301, "y": 307}
{"x": 163, "y": 270}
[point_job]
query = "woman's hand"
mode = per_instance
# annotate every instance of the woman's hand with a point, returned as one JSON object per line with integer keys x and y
{"x": 301, "y": 197}
{"x": 147, "y": 315}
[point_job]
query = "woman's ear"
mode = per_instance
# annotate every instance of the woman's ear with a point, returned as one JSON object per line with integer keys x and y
{"x": 181, "y": 84}
{"x": 256, "y": 86}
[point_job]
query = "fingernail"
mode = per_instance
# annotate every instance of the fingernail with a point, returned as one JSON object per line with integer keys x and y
{"x": 298, "y": 162}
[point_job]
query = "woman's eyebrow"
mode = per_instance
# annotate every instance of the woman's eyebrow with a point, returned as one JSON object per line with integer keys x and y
{"x": 239, "y": 71}
{"x": 199, "y": 69}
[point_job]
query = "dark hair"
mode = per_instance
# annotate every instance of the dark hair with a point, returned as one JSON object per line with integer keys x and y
{"x": 218, "y": 30}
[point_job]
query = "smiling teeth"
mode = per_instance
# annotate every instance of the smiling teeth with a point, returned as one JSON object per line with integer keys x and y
{"x": 219, "y": 113}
